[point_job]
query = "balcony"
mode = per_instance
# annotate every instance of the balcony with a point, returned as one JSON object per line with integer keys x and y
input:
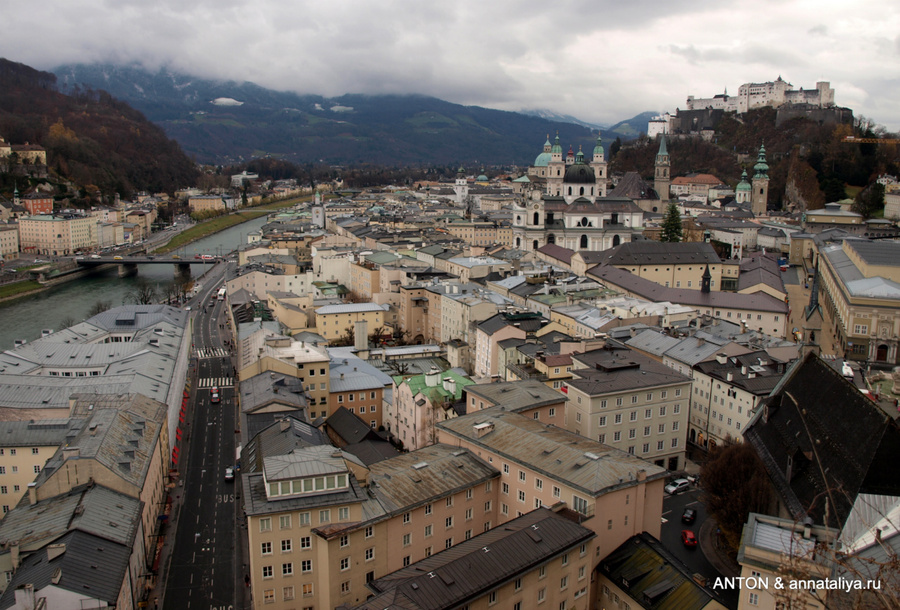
{"x": 526, "y": 372}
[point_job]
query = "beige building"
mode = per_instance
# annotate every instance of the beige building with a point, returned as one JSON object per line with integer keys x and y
{"x": 509, "y": 567}
{"x": 476, "y": 233}
{"x": 860, "y": 294}
{"x": 420, "y": 402}
{"x": 364, "y": 280}
{"x": 617, "y": 495}
{"x": 9, "y": 242}
{"x": 294, "y": 311}
{"x": 332, "y": 321}
{"x": 630, "y": 402}
{"x": 321, "y": 525}
{"x": 57, "y": 235}
{"x": 261, "y": 282}
{"x": 210, "y": 203}
{"x": 24, "y": 449}
{"x": 771, "y": 548}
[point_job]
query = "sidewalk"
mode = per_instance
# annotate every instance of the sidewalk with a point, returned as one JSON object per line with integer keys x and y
{"x": 716, "y": 556}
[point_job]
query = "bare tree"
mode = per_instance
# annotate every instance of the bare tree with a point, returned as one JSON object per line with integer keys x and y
{"x": 98, "y": 308}
{"x": 142, "y": 293}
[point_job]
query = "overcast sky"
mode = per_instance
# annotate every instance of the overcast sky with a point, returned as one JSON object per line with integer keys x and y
{"x": 599, "y": 60}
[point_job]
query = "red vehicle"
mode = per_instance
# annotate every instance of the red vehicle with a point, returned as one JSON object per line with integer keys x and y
{"x": 688, "y": 539}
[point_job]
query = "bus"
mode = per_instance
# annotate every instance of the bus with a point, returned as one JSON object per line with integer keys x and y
{"x": 221, "y": 294}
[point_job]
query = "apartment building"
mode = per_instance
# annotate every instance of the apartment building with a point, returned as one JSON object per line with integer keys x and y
{"x": 57, "y": 234}
{"x": 24, "y": 449}
{"x": 357, "y": 391}
{"x": 9, "y": 242}
{"x": 364, "y": 280}
{"x": 539, "y": 558}
{"x": 321, "y": 525}
{"x": 420, "y": 402}
{"x": 615, "y": 494}
{"x": 529, "y": 398}
{"x": 332, "y": 321}
{"x": 726, "y": 394}
{"x": 630, "y": 402}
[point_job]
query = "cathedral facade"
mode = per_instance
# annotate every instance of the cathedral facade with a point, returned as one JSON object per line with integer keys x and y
{"x": 568, "y": 204}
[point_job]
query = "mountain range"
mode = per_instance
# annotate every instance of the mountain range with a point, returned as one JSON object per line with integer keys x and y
{"x": 226, "y": 122}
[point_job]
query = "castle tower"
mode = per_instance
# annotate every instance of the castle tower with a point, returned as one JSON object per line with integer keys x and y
{"x": 759, "y": 199}
{"x": 743, "y": 190}
{"x": 661, "y": 177}
{"x": 598, "y": 162}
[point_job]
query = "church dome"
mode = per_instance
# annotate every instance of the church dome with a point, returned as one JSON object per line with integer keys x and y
{"x": 580, "y": 173}
{"x": 743, "y": 185}
{"x": 557, "y": 147}
{"x": 542, "y": 160}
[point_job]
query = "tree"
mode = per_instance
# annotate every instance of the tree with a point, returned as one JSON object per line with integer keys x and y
{"x": 66, "y": 322}
{"x": 142, "y": 293}
{"x": 735, "y": 484}
{"x": 870, "y": 200}
{"x": 671, "y": 227}
{"x": 98, "y": 308}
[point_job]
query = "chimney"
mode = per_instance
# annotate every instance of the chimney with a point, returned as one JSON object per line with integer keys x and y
{"x": 55, "y": 550}
{"x": 25, "y": 597}
{"x": 284, "y": 425}
{"x": 721, "y": 358}
{"x": 482, "y": 429}
{"x": 32, "y": 493}
{"x": 360, "y": 336}
{"x": 71, "y": 452}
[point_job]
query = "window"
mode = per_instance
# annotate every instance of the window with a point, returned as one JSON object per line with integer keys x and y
{"x": 488, "y": 486}
{"x": 492, "y": 597}
{"x": 632, "y": 433}
{"x": 448, "y": 522}
{"x": 645, "y": 448}
{"x": 602, "y": 421}
{"x": 370, "y": 531}
{"x": 581, "y": 573}
{"x": 542, "y": 572}
{"x": 405, "y": 518}
{"x": 428, "y": 509}
{"x": 35, "y": 451}
{"x": 428, "y": 551}
{"x": 617, "y": 436}
{"x": 504, "y": 508}
{"x": 674, "y": 443}
{"x": 286, "y": 545}
{"x": 345, "y": 540}
{"x": 522, "y": 475}
{"x": 325, "y": 516}
{"x": 345, "y": 564}
{"x": 468, "y": 495}
{"x": 288, "y": 593}
{"x": 632, "y": 416}
{"x": 753, "y": 600}
{"x": 468, "y": 514}
{"x": 448, "y": 543}
{"x": 563, "y": 582}
{"x": 370, "y": 554}
{"x": 37, "y": 470}
{"x": 303, "y": 518}
{"x": 662, "y": 428}
{"x": 646, "y": 430}
{"x": 565, "y": 559}
{"x": 504, "y": 487}
{"x": 284, "y": 522}
{"x": 269, "y": 596}
{"x": 618, "y": 402}
{"x": 267, "y": 572}
{"x": 407, "y": 539}
{"x": 618, "y": 418}
{"x": 506, "y": 469}
{"x": 345, "y": 587}
{"x": 552, "y": 412}
{"x": 487, "y": 506}
{"x": 406, "y": 561}
{"x": 265, "y": 524}
{"x": 677, "y": 392}
{"x": 287, "y": 569}
{"x": 307, "y": 590}
{"x": 634, "y": 399}
{"x": 556, "y": 491}
{"x": 539, "y": 483}
{"x": 265, "y": 548}
{"x": 305, "y": 543}
{"x": 428, "y": 529}
{"x": 521, "y": 496}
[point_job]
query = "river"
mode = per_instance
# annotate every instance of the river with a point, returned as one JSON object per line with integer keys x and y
{"x": 24, "y": 318}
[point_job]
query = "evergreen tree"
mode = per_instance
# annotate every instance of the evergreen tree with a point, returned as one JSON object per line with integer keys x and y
{"x": 671, "y": 227}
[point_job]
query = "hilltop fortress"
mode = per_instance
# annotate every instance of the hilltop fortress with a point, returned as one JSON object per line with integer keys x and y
{"x": 758, "y": 95}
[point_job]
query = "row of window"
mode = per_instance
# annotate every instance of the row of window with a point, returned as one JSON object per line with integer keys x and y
{"x": 12, "y": 451}
{"x": 660, "y": 445}
{"x": 304, "y": 519}
{"x": 632, "y": 433}
{"x": 362, "y": 396}
{"x": 15, "y": 469}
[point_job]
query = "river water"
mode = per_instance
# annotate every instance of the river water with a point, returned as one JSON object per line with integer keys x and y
{"x": 25, "y": 318}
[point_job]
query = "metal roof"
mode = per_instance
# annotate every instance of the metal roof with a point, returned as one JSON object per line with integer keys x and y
{"x": 476, "y": 566}
{"x": 553, "y": 451}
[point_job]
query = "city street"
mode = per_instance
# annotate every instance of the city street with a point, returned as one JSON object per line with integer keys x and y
{"x": 694, "y": 558}
{"x": 204, "y": 570}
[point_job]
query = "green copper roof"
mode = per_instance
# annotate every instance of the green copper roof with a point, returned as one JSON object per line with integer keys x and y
{"x": 417, "y": 383}
{"x": 662, "y": 146}
{"x": 557, "y": 148}
{"x": 743, "y": 185}
{"x": 761, "y": 168}
{"x": 598, "y": 149}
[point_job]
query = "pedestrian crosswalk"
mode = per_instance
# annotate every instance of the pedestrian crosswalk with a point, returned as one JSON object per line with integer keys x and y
{"x": 221, "y": 382}
{"x": 211, "y": 352}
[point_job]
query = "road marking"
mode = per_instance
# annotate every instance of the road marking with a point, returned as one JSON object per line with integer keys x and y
{"x": 211, "y": 352}
{"x": 221, "y": 382}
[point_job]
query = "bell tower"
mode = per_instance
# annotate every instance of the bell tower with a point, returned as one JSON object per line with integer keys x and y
{"x": 759, "y": 199}
{"x": 661, "y": 177}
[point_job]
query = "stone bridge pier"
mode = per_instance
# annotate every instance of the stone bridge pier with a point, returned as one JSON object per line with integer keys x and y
{"x": 127, "y": 269}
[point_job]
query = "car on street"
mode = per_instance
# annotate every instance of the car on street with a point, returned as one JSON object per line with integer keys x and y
{"x": 214, "y": 395}
{"x": 688, "y": 516}
{"x": 688, "y": 539}
{"x": 229, "y": 474}
{"x": 117, "y": 258}
{"x": 677, "y": 486}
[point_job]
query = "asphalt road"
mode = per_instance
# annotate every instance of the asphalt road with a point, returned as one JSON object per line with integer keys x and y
{"x": 204, "y": 571}
{"x": 670, "y": 536}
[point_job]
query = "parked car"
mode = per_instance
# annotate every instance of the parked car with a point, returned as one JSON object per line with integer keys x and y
{"x": 677, "y": 486}
{"x": 688, "y": 539}
{"x": 688, "y": 516}
{"x": 229, "y": 474}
